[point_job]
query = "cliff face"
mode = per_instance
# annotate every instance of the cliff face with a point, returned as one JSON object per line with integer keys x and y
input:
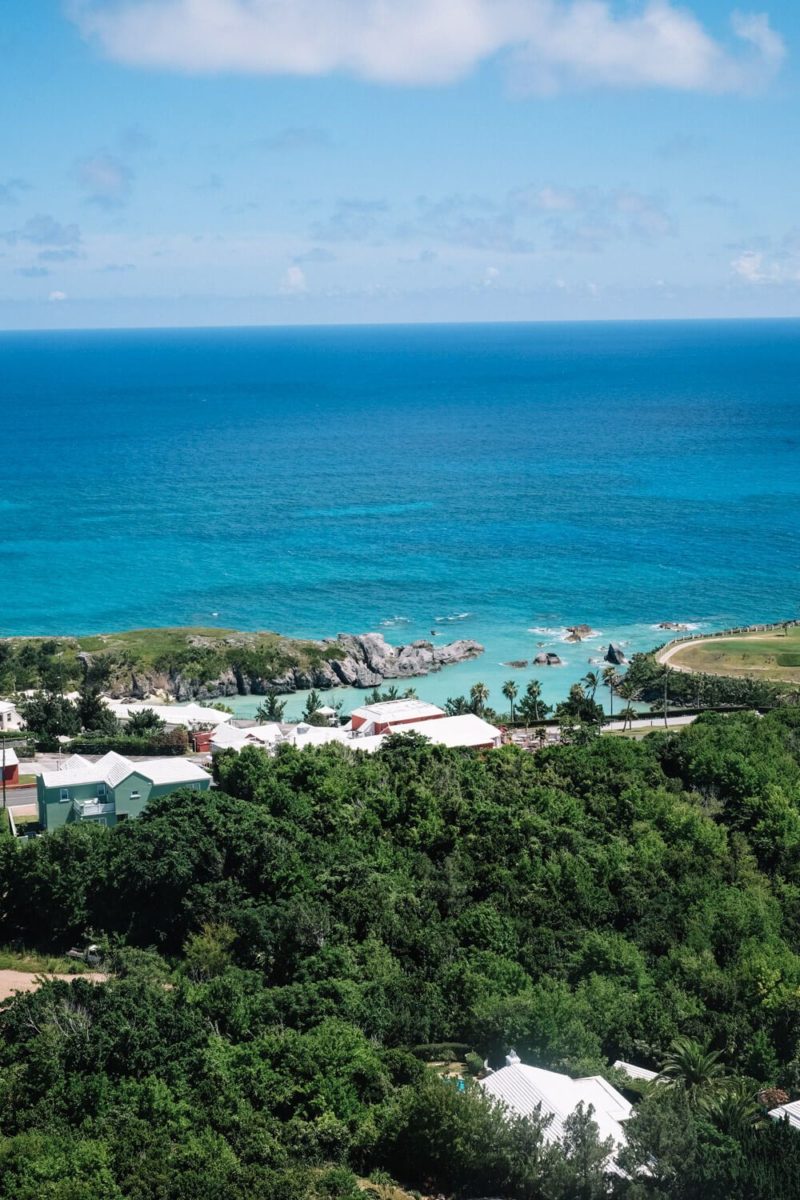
{"x": 365, "y": 661}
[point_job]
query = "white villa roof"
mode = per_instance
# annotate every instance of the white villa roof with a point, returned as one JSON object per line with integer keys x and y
{"x": 790, "y": 1112}
{"x": 315, "y": 735}
{"x": 110, "y": 769}
{"x": 9, "y": 757}
{"x": 170, "y": 770}
{"x": 172, "y": 714}
{"x": 7, "y": 706}
{"x": 230, "y": 736}
{"x": 465, "y": 730}
{"x": 634, "y": 1072}
{"x": 523, "y": 1089}
{"x": 409, "y": 709}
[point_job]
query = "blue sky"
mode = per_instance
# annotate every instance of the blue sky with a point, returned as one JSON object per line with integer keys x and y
{"x": 178, "y": 162}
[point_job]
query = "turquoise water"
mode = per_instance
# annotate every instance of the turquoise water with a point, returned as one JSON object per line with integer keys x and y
{"x": 518, "y": 478}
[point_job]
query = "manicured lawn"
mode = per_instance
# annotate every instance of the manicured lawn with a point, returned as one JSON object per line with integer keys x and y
{"x": 763, "y": 655}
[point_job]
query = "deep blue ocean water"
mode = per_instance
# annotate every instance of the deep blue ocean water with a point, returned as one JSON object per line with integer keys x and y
{"x": 517, "y": 477}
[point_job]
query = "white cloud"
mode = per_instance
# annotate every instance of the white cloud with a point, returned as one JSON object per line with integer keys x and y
{"x": 294, "y": 281}
{"x": 556, "y": 43}
{"x": 57, "y": 297}
{"x": 782, "y": 266}
{"x": 490, "y": 277}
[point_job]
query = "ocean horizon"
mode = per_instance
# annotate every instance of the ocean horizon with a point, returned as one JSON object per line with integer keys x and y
{"x": 496, "y": 482}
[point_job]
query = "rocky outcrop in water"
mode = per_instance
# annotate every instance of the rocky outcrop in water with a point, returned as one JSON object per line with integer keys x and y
{"x": 365, "y": 660}
{"x": 615, "y": 655}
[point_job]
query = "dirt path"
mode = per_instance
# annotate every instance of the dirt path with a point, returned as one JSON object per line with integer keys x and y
{"x": 29, "y": 981}
{"x": 665, "y": 656}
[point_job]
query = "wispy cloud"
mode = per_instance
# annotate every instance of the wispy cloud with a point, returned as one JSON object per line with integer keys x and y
{"x": 44, "y": 230}
{"x": 590, "y": 218}
{"x": 352, "y": 220}
{"x": 32, "y": 272}
{"x": 294, "y": 281}
{"x": 106, "y": 179}
{"x": 12, "y": 189}
{"x": 296, "y": 137}
{"x": 554, "y": 43}
{"x": 317, "y": 254}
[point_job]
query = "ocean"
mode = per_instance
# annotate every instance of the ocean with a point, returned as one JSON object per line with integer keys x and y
{"x": 496, "y": 482}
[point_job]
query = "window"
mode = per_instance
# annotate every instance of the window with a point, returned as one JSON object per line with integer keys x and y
{"x": 64, "y": 794}
{"x": 121, "y": 817}
{"x": 135, "y": 796}
{"x": 101, "y": 791}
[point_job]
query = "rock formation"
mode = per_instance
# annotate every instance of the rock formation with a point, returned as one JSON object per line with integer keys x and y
{"x": 547, "y": 660}
{"x": 365, "y": 661}
{"x": 616, "y": 655}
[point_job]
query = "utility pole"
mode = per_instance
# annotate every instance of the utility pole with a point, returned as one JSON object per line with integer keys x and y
{"x": 3, "y": 768}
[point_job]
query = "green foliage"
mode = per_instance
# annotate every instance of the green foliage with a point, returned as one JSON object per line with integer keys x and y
{"x": 323, "y": 911}
{"x": 144, "y": 723}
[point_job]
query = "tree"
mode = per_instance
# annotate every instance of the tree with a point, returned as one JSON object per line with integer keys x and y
{"x": 510, "y": 690}
{"x": 693, "y": 1067}
{"x": 93, "y": 713}
{"x": 478, "y": 695}
{"x": 530, "y": 707}
{"x": 313, "y": 704}
{"x": 48, "y": 715}
{"x": 610, "y": 679}
{"x": 591, "y": 682}
{"x": 144, "y": 723}
{"x": 456, "y": 706}
{"x": 271, "y": 710}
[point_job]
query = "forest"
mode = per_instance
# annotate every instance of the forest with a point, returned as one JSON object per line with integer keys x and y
{"x": 290, "y": 955}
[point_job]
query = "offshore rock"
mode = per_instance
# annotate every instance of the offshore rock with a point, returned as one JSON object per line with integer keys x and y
{"x": 616, "y": 655}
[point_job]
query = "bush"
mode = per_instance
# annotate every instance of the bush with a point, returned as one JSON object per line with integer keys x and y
{"x": 175, "y": 742}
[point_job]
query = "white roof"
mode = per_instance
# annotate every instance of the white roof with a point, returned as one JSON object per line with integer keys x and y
{"x": 326, "y": 711}
{"x": 524, "y": 1089}
{"x": 7, "y": 706}
{"x": 231, "y": 737}
{"x": 315, "y": 735}
{"x": 170, "y": 770}
{"x": 634, "y": 1072}
{"x": 9, "y": 756}
{"x": 466, "y": 730}
{"x": 397, "y": 710}
{"x": 172, "y": 714}
{"x": 110, "y": 769}
{"x": 789, "y": 1112}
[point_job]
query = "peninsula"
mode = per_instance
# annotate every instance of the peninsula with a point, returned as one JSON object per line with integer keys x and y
{"x": 205, "y": 663}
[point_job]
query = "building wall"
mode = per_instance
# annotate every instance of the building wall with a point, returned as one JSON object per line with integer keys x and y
{"x": 130, "y": 797}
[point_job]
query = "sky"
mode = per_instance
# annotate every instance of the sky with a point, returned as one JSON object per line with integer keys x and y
{"x": 231, "y": 162}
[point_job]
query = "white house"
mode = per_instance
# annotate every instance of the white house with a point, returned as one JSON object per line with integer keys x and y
{"x": 231, "y": 737}
{"x": 465, "y": 730}
{"x": 527, "y": 1090}
{"x": 379, "y": 718}
{"x": 190, "y": 716}
{"x": 9, "y": 716}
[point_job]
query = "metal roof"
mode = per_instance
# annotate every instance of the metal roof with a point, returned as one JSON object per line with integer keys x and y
{"x": 524, "y": 1090}
{"x": 408, "y": 709}
{"x": 789, "y": 1112}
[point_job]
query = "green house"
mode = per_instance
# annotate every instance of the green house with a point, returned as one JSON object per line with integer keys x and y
{"x": 112, "y": 789}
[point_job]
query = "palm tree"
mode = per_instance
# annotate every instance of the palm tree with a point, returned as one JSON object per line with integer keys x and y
{"x": 591, "y": 682}
{"x": 456, "y": 706}
{"x": 478, "y": 694}
{"x": 627, "y": 691}
{"x": 693, "y": 1068}
{"x": 734, "y": 1108}
{"x": 510, "y": 690}
{"x": 610, "y": 679}
{"x": 627, "y": 715}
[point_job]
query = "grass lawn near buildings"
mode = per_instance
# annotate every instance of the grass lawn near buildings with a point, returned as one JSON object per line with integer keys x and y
{"x": 771, "y": 656}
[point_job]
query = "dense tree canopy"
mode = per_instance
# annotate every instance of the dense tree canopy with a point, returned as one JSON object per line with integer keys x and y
{"x": 282, "y": 945}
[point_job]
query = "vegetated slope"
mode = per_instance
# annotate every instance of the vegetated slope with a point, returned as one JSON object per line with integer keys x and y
{"x": 325, "y": 911}
{"x": 771, "y": 655}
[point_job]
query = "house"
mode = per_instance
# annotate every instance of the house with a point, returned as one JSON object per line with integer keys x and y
{"x": 379, "y": 718}
{"x": 787, "y": 1112}
{"x": 231, "y": 737}
{"x": 634, "y": 1072}
{"x": 467, "y": 730}
{"x": 9, "y": 716}
{"x": 527, "y": 1090}
{"x": 9, "y": 767}
{"x": 188, "y": 716}
{"x": 112, "y": 789}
